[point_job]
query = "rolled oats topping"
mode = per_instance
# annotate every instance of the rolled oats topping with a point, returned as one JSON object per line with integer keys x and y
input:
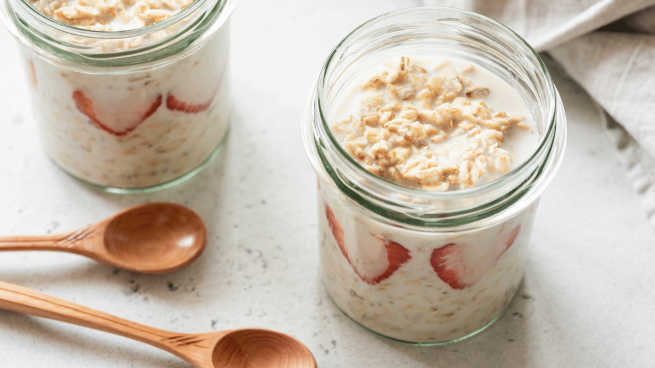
{"x": 110, "y": 15}
{"x": 435, "y": 128}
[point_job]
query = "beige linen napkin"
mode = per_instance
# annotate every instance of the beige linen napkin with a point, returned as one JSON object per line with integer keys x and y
{"x": 608, "y": 47}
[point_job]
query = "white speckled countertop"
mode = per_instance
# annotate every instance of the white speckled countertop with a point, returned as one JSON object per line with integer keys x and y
{"x": 587, "y": 299}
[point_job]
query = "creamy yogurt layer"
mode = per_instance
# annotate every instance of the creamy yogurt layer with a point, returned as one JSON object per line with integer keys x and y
{"x": 419, "y": 287}
{"x": 434, "y": 123}
{"x": 136, "y": 129}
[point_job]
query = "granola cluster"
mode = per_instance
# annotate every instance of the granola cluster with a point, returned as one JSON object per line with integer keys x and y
{"x": 427, "y": 129}
{"x": 110, "y": 15}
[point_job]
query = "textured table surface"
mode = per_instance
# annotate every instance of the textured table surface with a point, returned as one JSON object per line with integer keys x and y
{"x": 587, "y": 299}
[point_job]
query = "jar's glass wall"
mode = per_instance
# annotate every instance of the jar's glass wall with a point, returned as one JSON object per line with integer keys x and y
{"x": 420, "y": 287}
{"x": 133, "y": 127}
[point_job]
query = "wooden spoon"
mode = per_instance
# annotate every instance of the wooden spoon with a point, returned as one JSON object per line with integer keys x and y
{"x": 149, "y": 238}
{"x": 240, "y": 348}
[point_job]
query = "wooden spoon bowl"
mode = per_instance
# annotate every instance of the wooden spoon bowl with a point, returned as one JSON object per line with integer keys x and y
{"x": 240, "y": 348}
{"x": 155, "y": 238}
{"x": 149, "y": 238}
{"x": 258, "y": 348}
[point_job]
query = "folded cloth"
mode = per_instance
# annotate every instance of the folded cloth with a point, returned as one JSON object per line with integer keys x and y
{"x": 618, "y": 71}
{"x": 608, "y": 47}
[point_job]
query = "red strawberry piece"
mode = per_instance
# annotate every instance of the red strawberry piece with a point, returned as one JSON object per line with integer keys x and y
{"x": 512, "y": 236}
{"x": 337, "y": 230}
{"x": 461, "y": 266}
{"x": 117, "y": 120}
{"x": 377, "y": 261}
{"x": 174, "y": 104}
{"x": 196, "y": 99}
{"x": 397, "y": 255}
{"x": 448, "y": 263}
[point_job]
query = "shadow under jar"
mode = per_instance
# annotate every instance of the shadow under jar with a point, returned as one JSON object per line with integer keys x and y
{"x": 382, "y": 244}
{"x": 132, "y": 110}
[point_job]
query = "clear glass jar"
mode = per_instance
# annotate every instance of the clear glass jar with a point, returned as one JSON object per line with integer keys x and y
{"x": 385, "y": 247}
{"x": 128, "y": 111}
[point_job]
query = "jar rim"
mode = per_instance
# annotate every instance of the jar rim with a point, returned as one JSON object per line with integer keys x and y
{"x": 421, "y": 192}
{"x": 110, "y": 35}
{"x": 541, "y": 154}
{"x": 34, "y": 28}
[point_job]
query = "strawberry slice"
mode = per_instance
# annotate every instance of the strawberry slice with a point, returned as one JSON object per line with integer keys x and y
{"x": 461, "y": 266}
{"x": 119, "y": 119}
{"x": 176, "y": 105}
{"x": 195, "y": 98}
{"x": 337, "y": 230}
{"x": 373, "y": 259}
{"x": 512, "y": 237}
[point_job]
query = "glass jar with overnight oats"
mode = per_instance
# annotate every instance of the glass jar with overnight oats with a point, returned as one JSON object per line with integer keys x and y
{"x": 433, "y": 133}
{"x": 130, "y": 95}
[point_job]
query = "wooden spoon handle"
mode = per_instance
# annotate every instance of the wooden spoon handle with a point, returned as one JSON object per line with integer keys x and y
{"x": 22, "y": 300}
{"x": 66, "y": 242}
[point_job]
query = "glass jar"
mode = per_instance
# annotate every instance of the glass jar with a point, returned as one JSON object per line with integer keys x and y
{"x": 419, "y": 266}
{"x": 128, "y": 111}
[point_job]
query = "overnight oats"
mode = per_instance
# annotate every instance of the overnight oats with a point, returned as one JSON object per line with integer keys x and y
{"x": 134, "y": 95}
{"x": 431, "y": 148}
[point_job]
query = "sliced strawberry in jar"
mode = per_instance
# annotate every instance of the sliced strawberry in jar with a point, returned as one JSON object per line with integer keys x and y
{"x": 383, "y": 267}
{"x": 192, "y": 98}
{"x": 337, "y": 230}
{"x": 512, "y": 236}
{"x": 373, "y": 259}
{"x": 448, "y": 263}
{"x": 176, "y": 105}
{"x": 118, "y": 117}
{"x": 462, "y": 265}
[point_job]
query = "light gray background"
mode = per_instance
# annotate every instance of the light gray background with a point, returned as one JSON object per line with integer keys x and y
{"x": 588, "y": 295}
